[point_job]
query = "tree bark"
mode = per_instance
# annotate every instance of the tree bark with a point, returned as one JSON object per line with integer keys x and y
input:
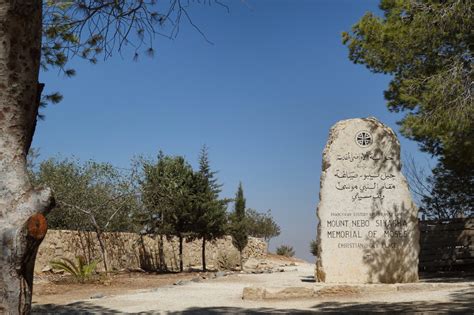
{"x": 161, "y": 254}
{"x": 103, "y": 250}
{"x": 181, "y": 268}
{"x": 22, "y": 207}
{"x": 204, "y": 254}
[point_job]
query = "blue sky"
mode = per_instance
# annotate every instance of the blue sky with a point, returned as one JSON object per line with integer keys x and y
{"x": 263, "y": 97}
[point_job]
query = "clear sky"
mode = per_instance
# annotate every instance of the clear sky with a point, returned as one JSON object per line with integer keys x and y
{"x": 263, "y": 97}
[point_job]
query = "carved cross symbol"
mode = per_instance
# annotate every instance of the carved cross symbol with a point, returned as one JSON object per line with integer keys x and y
{"x": 364, "y": 138}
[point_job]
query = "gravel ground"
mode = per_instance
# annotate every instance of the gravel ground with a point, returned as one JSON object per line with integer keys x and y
{"x": 224, "y": 295}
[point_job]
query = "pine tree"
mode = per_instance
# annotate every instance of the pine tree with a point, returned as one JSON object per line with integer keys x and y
{"x": 239, "y": 223}
{"x": 168, "y": 196}
{"x": 205, "y": 170}
{"x": 209, "y": 211}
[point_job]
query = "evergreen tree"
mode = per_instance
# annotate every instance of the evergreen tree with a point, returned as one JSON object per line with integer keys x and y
{"x": 432, "y": 70}
{"x": 239, "y": 223}
{"x": 427, "y": 47}
{"x": 205, "y": 170}
{"x": 209, "y": 212}
{"x": 168, "y": 197}
{"x": 44, "y": 34}
{"x": 451, "y": 194}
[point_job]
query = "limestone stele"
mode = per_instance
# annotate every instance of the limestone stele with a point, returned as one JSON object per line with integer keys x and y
{"x": 368, "y": 223}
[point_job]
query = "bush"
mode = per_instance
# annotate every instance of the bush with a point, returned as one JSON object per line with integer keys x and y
{"x": 80, "y": 271}
{"x": 313, "y": 248}
{"x": 285, "y": 250}
{"x": 227, "y": 260}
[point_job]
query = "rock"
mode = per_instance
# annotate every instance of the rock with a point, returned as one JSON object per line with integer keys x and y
{"x": 181, "y": 282}
{"x": 289, "y": 293}
{"x": 197, "y": 279}
{"x": 220, "y": 274}
{"x": 46, "y": 268}
{"x": 251, "y": 293}
{"x": 368, "y": 223}
{"x": 97, "y": 296}
{"x": 334, "y": 290}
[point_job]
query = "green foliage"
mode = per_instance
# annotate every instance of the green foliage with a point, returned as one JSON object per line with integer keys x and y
{"x": 313, "y": 248}
{"x": 262, "y": 225}
{"x": 285, "y": 250}
{"x": 209, "y": 212}
{"x": 205, "y": 170}
{"x": 89, "y": 195}
{"x": 167, "y": 196}
{"x": 451, "y": 194}
{"x": 81, "y": 271}
{"x": 181, "y": 202}
{"x": 92, "y": 29}
{"x": 427, "y": 46}
{"x": 239, "y": 229}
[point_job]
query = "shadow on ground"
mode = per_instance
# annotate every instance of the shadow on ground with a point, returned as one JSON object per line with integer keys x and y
{"x": 461, "y": 302}
{"x": 73, "y": 308}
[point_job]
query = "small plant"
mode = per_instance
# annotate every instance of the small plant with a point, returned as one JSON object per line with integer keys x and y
{"x": 285, "y": 250}
{"x": 313, "y": 248}
{"x": 80, "y": 271}
{"x": 227, "y": 261}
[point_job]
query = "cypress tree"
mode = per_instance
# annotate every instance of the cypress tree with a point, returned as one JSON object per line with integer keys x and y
{"x": 239, "y": 224}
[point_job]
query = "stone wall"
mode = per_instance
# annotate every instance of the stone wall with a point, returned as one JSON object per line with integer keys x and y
{"x": 131, "y": 251}
{"x": 446, "y": 245}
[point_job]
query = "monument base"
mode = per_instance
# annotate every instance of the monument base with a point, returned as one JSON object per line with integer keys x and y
{"x": 324, "y": 290}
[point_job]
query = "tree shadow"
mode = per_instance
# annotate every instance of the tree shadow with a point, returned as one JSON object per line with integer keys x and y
{"x": 461, "y": 302}
{"x": 393, "y": 256}
{"x": 73, "y": 309}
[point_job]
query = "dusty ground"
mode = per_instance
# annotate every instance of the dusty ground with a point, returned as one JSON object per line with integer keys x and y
{"x": 155, "y": 294}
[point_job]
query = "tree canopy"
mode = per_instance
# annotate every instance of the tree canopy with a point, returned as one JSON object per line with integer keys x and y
{"x": 427, "y": 47}
{"x": 262, "y": 224}
{"x": 87, "y": 194}
{"x": 238, "y": 224}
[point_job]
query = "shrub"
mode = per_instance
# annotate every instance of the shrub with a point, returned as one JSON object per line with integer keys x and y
{"x": 227, "y": 260}
{"x": 285, "y": 250}
{"x": 313, "y": 248}
{"x": 80, "y": 271}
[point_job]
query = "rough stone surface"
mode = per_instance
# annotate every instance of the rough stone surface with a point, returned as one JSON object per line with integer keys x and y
{"x": 367, "y": 231}
{"x": 132, "y": 252}
{"x": 288, "y": 293}
{"x": 251, "y": 293}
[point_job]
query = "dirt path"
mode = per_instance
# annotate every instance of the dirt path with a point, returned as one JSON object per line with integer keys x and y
{"x": 224, "y": 295}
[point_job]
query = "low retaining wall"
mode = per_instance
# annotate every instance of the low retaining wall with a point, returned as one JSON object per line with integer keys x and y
{"x": 447, "y": 245}
{"x": 132, "y": 251}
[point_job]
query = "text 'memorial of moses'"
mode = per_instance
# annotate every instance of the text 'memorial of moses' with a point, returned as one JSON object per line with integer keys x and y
{"x": 368, "y": 225}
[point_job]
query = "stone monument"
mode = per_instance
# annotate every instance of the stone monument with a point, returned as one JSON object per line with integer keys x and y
{"x": 368, "y": 224}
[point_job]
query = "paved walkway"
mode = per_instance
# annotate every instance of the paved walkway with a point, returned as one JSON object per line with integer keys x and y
{"x": 224, "y": 295}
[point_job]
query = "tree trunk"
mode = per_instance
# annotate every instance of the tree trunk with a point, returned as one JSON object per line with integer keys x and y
{"x": 103, "y": 250}
{"x": 161, "y": 254}
{"x": 204, "y": 254}
{"x": 241, "y": 261}
{"x": 98, "y": 233}
{"x": 22, "y": 207}
{"x": 181, "y": 254}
